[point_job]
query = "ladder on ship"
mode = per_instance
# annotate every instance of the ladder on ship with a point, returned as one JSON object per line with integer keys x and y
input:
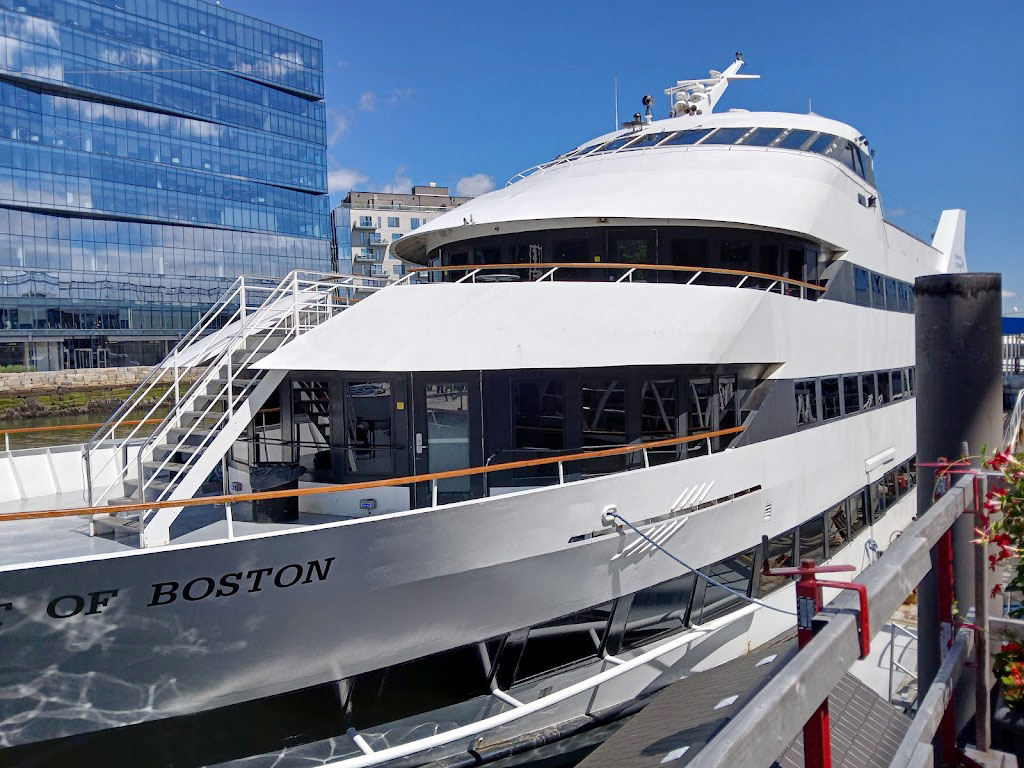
{"x": 211, "y": 392}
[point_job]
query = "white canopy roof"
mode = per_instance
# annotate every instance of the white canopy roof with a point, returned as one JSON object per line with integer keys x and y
{"x": 469, "y": 327}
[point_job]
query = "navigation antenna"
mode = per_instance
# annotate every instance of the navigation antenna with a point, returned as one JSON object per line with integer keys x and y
{"x": 695, "y": 97}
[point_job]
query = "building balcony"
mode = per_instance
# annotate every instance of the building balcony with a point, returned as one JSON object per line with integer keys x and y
{"x": 363, "y": 224}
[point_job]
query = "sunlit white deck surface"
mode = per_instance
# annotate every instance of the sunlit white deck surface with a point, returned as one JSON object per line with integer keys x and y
{"x": 36, "y": 541}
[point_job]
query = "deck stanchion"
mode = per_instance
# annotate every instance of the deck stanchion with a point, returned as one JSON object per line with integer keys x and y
{"x": 959, "y": 399}
{"x": 817, "y": 730}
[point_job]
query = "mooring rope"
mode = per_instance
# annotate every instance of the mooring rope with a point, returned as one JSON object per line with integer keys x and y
{"x": 704, "y": 576}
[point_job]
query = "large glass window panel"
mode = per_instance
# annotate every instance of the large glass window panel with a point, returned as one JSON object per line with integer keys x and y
{"x": 812, "y": 540}
{"x": 726, "y": 136}
{"x": 367, "y": 412}
{"x": 447, "y": 417}
{"x": 884, "y": 387}
{"x": 851, "y": 393}
{"x": 837, "y": 532}
{"x": 659, "y": 417}
{"x": 861, "y": 287}
{"x": 869, "y": 395}
{"x": 762, "y": 137}
{"x": 795, "y": 139}
{"x": 658, "y": 611}
{"x": 830, "y": 398}
{"x": 691, "y": 136}
{"x": 806, "y": 395}
{"x": 734, "y": 573}
{"x": 603, "y": 416}
{"x": 563, "y": 641}
{"x": 778, "y": 554}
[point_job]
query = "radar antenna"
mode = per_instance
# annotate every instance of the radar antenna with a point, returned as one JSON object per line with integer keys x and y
{"x": 695, "y": 97}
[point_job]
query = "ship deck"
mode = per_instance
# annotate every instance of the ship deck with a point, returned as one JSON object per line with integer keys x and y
{"x": 37, "y": 541}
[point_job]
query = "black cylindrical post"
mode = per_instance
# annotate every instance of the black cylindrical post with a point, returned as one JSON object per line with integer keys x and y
{"x": 959, "y": 400}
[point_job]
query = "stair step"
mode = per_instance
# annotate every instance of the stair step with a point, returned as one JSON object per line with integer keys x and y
{"x": 219, "y": 384}
{"x": 153, "y": 490}
{"x": 162, "y": 466}
{"x": 187, "y": 436}
{"x": 161, "y": 452}
{"x": 188, "y": 418}
{"x": 131, "y": 524}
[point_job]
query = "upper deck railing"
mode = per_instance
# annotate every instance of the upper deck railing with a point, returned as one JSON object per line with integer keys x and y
{"x": 431, "y": 477}
{"x": 504, "y": 273}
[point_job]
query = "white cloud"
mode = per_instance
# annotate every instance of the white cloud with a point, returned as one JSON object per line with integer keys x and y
{"x": 368, "y": 101}
{"x": 344, "y": 179}
{"x": 1009, "y": 295}
{"x": 401, "y": 183}
{"x": 401, "y": 94}
{"x": 339, "y": 127}
{"x": 477, "y": 184}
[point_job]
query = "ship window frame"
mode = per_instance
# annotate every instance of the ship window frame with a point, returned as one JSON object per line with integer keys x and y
{"x": 777, "y": 547}
{"x": 815, "y": 551}
{"x": 846, "y": 396}
{"x": 520, "y": 678}
{"x": 822, "y": 149}
{"x": 862, "y": 296}
{"x": 806, "y": 416}
{"x": 627, "y": 643}
{"x": 808, "y": 136}
{"x": 837, "y": 399}
{"x": 618, "y": 143}
{"x": 748, "y": 140}
{"x": 641, "y": 144}
{"x": 877, "y": 289}
{"x": 678, "y": 139}
{"x": 840, "y": 528}
{"x": 891, "y": 293}
{"x": 724, "y": 604}
{"x": 737, "y": 133}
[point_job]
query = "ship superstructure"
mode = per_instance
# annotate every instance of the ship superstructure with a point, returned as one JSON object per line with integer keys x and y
{"x": 701, "y": 325}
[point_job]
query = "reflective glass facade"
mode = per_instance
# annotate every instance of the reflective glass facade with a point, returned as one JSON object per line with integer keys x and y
{"x": 150, "y": 152}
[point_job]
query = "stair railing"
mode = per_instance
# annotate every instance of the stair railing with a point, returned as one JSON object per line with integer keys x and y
{"x": 312, "y": 302}
{"x": 169, "y": 371}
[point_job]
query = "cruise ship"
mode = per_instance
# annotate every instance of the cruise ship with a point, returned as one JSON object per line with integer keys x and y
{"x": 508, "y": 496}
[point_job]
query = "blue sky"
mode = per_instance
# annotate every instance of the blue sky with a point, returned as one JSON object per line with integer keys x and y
{"x": 474, "y": 92}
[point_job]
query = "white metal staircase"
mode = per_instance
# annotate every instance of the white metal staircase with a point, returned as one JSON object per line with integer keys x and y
{"x": 212, "y": 392}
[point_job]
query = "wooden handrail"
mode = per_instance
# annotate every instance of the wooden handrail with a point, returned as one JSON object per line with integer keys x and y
{"x": 620, "y": 265}
{"x": 58, "y": 427}
{"x": 284, "y": 494}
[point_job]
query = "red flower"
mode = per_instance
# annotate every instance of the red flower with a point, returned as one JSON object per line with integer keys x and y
{"x": 998, "y": 590}
{"x": 1009, "y": 646}
{"x": 1002, "y": 459}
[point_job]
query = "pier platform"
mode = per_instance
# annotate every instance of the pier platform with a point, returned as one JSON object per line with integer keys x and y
{"x": 681, "y": 719}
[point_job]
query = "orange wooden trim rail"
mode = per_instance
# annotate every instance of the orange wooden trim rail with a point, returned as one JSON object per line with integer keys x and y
{"x": 88, "y": 511}
{"x": 129, "y": 423}
{"x": 621, "y": 265}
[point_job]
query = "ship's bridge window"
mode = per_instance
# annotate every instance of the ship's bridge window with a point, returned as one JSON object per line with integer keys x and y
{"x": 877, "y": 290}
{"x": 822, "y": 144}
{"x": 611, "y": 146}
{"x": 795, "y": 139}
{"x": 691, "y": 136}
{"x": 806, "y": 393}
{"x": 647, "y": 140}
{"x": 890, "y": 292}
{"x": 586, "y": 150}
{"x": 762, "y": 137}
{"x": 726, "y": 136}
{"x": 861, "y": 289}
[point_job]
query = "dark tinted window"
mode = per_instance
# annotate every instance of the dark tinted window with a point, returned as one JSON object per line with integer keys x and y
{"x": 657, "y": 611}
{"x": 877, "y": 291}
{"x": 587, "y": 150}
{"x": 857, "y": 511}
{"x": 903, "y": 480}
{"x": 812, "y": 540}
{"x": 419, "y": 686}
{"x": 837, "y": 533}
{"x": 794, "y": 139}
{"x": 779, "y": 554}
{"x": 876, "y": 492}
{"x": 867, "y": 389}
{"x": 563, "y": 641}
{"x": 830, "y": 398}
{"x": 861, "y": 288}
{"x": 851, "y": 393}
{"x": 847, "y": 155}
{"x": 806, "y": 402}
{"x": 613, "y": 145}
{"x": 659, "y": 417}
{"x": 896, "y": 379}
{"x": 688, "y": 137}
{"x": 734, "y": 572}
{"x": 884, "y": 390}
{"x": 762, "y": 137}
{"x": 902, "y": 292}
{"x": 890, "y": 293}
{"x": 911, "y": 384}
{"x": 822, "y": 143}
{"x": 726, "y": 136}
{"x": 647, "y": 140}
{"x": 603, "y": 416}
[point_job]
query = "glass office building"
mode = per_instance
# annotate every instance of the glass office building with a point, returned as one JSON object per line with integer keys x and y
{"x": 150, "y": 152}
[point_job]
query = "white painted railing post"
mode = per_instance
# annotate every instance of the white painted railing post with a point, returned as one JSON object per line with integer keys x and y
{"x": 433, "y": 493}
{"x": 229, "y": 519}
{"x": 241, "y": 298}
{"x": 561, "y": 474}
{"x": 7, "y": 445}
{"x": 295, "y": 302}
{"x": 647, "y": 460}
{"x": 176, "y": 377}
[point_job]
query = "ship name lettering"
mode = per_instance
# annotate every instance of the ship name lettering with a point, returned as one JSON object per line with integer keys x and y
{"x": 202, "y": 587}
{"x": 66, "y": 606}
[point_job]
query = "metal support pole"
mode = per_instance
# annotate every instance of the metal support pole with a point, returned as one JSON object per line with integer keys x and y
{"x": 817, "y": 737}
{"x": 983, "y": 682}
{"x": 959, "y": 399}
